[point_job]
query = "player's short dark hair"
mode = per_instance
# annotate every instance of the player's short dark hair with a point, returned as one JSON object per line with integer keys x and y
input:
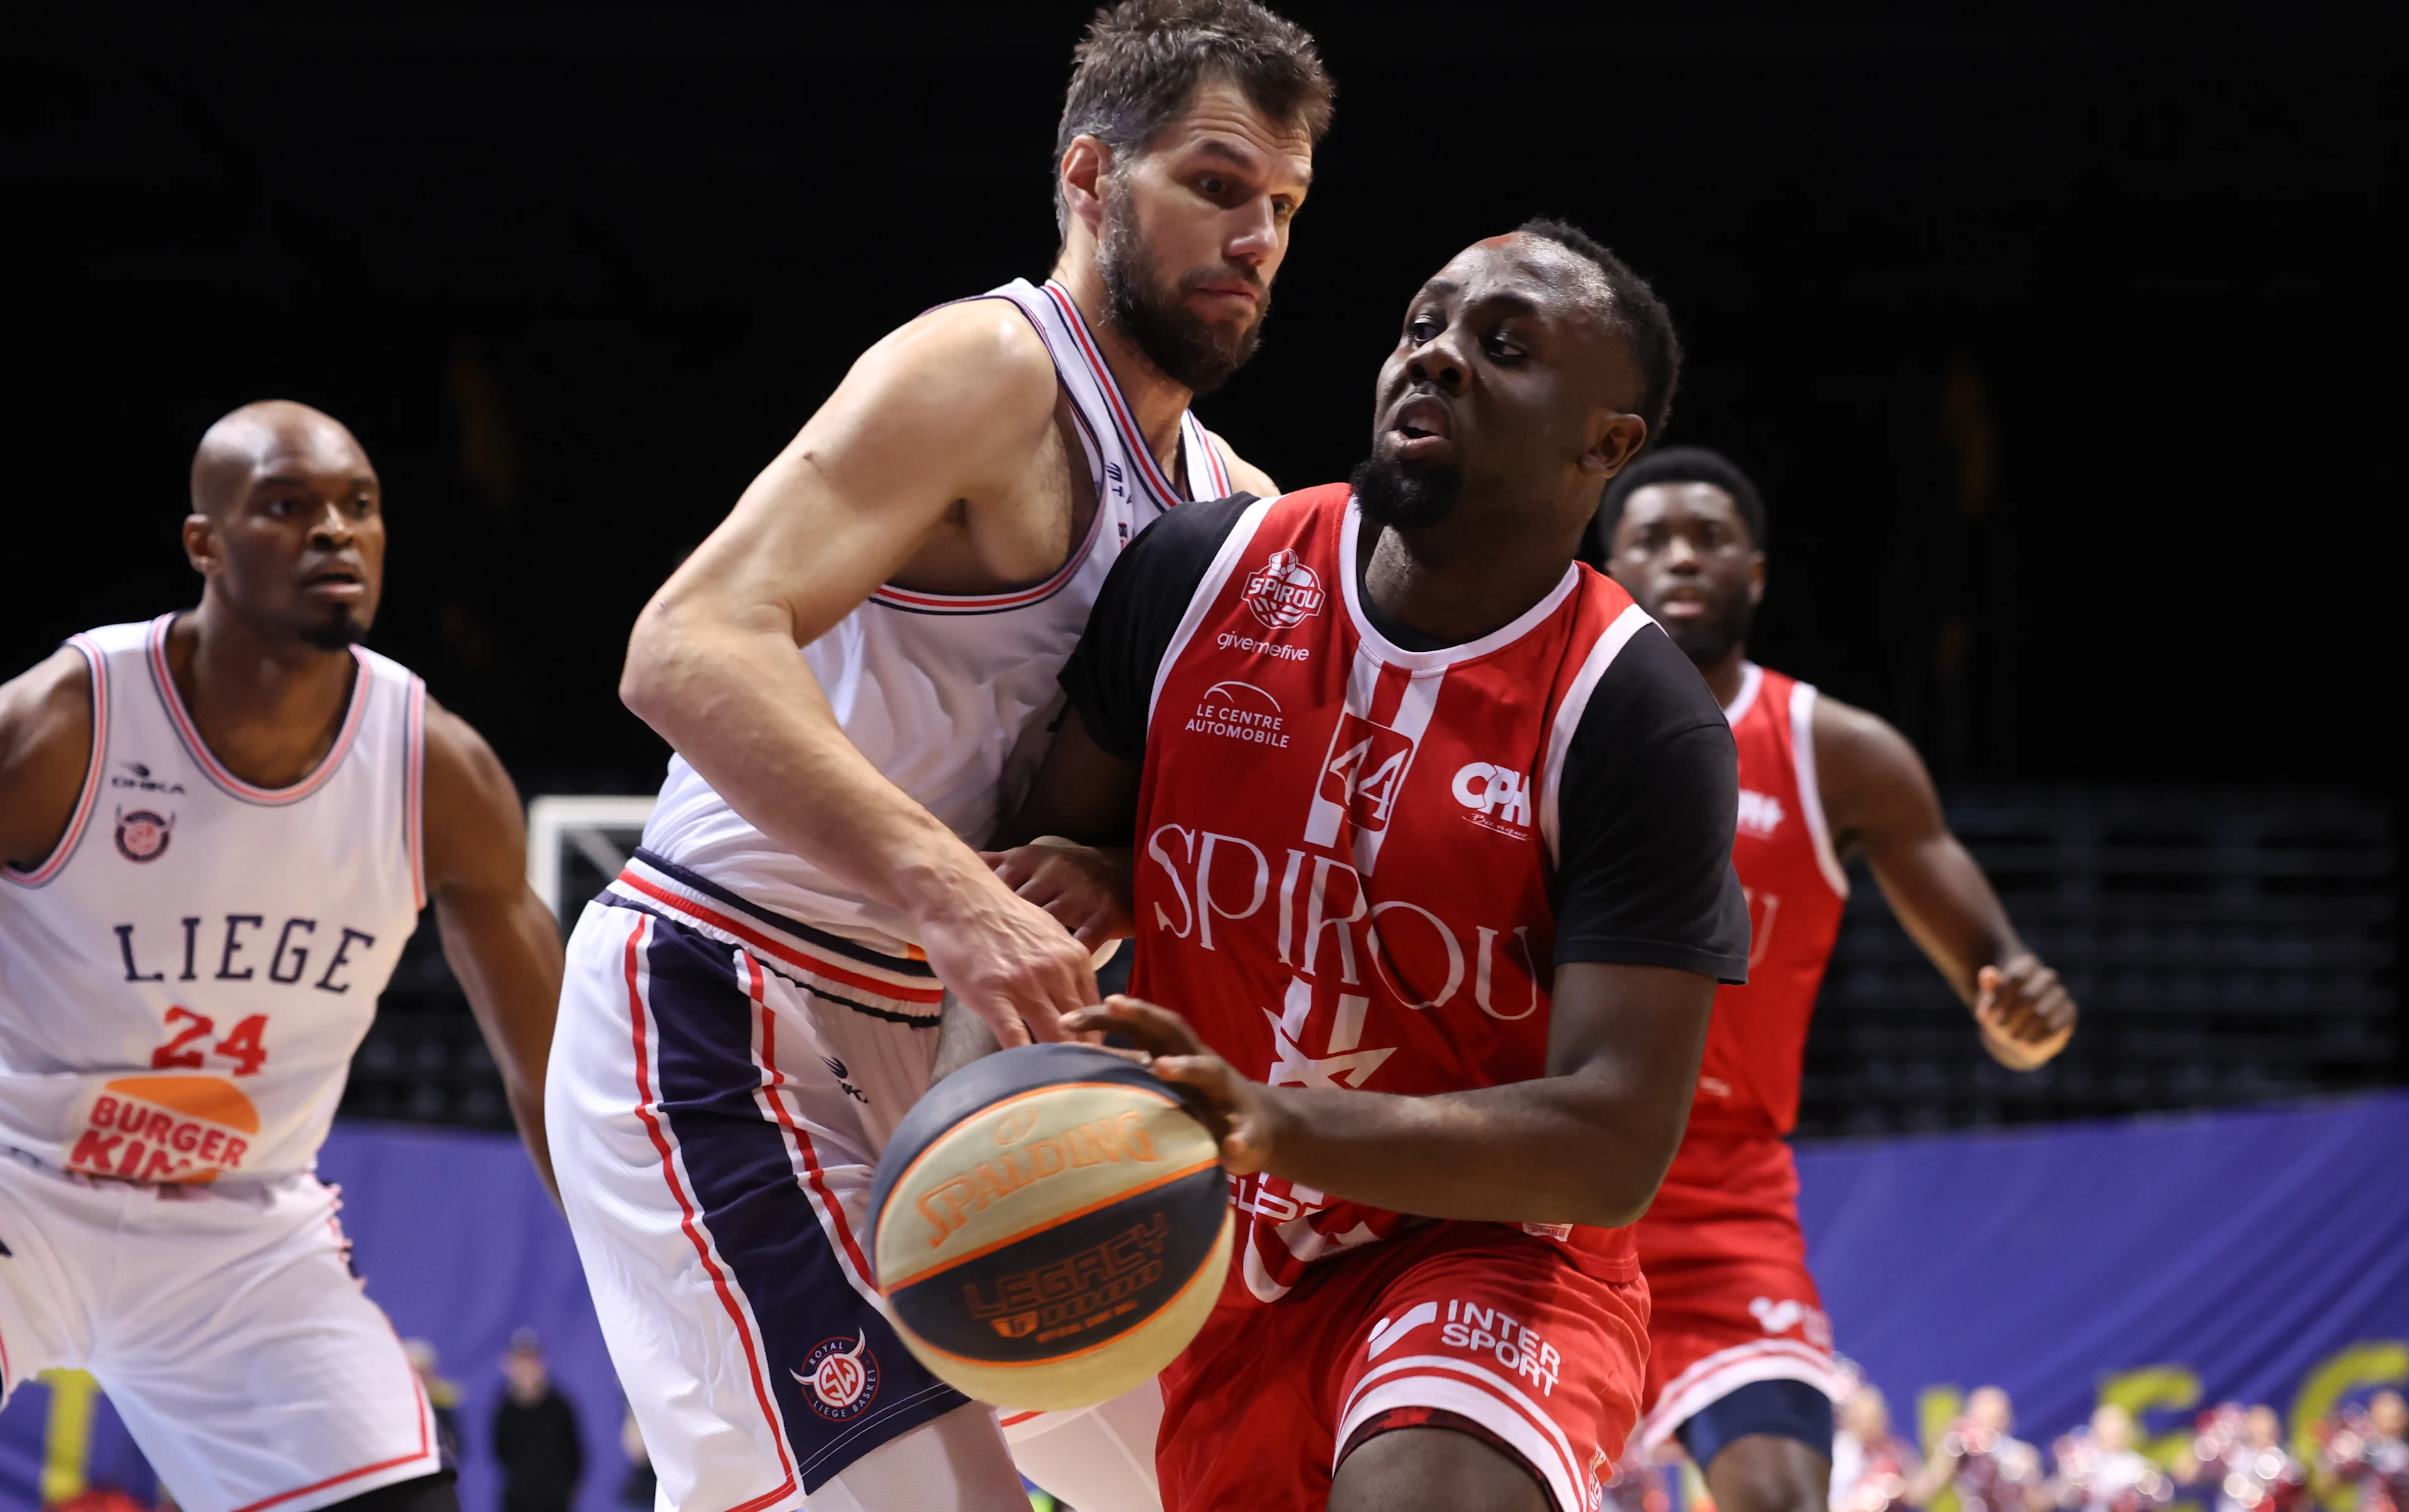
{"x": 1642, "y": 318}
{"x": 1143, "y": 60}
{"x": 1680, "y": 465}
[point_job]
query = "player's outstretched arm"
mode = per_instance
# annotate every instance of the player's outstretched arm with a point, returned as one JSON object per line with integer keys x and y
{"x": 944, "y": 419}
{"x": 1878, "y": 795}
{"x": 501, "y": 941}
{"x": 1588, "y": 1143}
{"x": 45, "y": 749}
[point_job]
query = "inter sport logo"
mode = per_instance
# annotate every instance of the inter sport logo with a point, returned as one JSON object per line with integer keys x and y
{"x": 1285, "y": 593}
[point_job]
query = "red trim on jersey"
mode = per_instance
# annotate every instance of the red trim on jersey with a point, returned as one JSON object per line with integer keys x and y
{"x": 815, "y": 1179}
{"x": 793, "y": 955}
{"x": 1013, "y": 1420}
{"x": 90, "y": 798}
{"x": 949, "y": 603}
{"x": 199, "y": 749}
{"x": 413, "y": 781}
{"x": 418, "y": 1392}
{"x": 1131, "y": 437}
{"x": 636, "y": 1015}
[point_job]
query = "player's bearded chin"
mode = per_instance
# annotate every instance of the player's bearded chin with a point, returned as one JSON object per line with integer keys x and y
{"x": 1393, "y": 494}
{"x": 1144, "y": 303}
{"x": 1709, "y": 640}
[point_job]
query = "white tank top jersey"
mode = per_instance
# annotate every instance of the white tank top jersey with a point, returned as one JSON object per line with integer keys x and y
{"x": 183, "y": 981}
{"x": 951, "y": 696}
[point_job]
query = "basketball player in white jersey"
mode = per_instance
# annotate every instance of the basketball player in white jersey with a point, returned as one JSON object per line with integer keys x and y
{"x": 753, "y": 1004}
{"x": 219, "y": 829}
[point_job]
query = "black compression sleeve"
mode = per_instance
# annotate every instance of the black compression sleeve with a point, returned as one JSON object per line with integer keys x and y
{"x": 1646, "y": 808}
{"x": 1110, "y": 677}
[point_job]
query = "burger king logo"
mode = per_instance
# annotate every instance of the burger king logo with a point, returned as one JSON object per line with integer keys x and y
{"x": 163, "y": 1128}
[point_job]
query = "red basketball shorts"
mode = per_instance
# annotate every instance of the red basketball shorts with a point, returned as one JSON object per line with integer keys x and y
{"x": 1732, "y": 1302}
{"x": 1536, "y": 1343}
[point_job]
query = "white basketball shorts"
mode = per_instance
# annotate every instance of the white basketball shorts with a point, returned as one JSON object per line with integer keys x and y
{"x": 722, "y": 1083}
{"x": 226, "y": 1327}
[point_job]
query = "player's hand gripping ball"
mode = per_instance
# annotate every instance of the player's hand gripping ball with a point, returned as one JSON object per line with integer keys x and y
{"x": 1050, "y": 1227}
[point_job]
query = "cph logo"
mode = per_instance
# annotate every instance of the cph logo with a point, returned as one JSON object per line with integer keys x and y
{"x": 1285, "y": 593}
{"x": 843, "y": 1381}
{"x": 1500, "y": 795}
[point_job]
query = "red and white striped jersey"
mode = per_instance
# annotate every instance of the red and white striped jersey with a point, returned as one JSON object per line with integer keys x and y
{"x": 183, "y": 981}
{"x": 951, "y": 696}
{"x": 1796, "y": 891}
{"x": 1353, "y": 857}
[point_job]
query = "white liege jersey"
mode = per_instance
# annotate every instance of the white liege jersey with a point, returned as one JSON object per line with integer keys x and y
{"x": 951, "y": 696}
{"x": 183, "y": 981}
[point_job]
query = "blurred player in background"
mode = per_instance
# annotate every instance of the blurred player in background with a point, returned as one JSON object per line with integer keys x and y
{"x": 1740, "y": 1366}
{"x": 1980, "y": 1458}
{"x": 219, "y": 829}
{"x": 2369, "y": 1448}
{"x": 2239, "y": 1456}
{"x": 1872, "y": 1467}
{"x": 2100, "y": 1469}
{"x": 1433, "y": 829}
{"x": 857, "y": 670}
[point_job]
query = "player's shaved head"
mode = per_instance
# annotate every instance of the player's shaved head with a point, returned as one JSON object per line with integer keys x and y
{"x": 287, "y": 525}
{"x": 262, "y": 435}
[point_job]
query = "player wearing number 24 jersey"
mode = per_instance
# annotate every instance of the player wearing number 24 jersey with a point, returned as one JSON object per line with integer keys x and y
{"x": 1432, "y": 882}
{"x": 218, "y": 829}
{"x": 1741, "y": 1364}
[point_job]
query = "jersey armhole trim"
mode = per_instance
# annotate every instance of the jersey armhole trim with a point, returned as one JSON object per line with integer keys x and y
{"x": 96, "y": 664}
{"x": 1810, "y": 791}
{"x": 414, "y": 786}
{"x": 1569, "y": 717}
{"x": 1208, "y": 589}
{"x": 914, "y": 601}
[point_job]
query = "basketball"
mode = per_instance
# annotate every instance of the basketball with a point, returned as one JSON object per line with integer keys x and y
{"x": 1050, "y": 1226}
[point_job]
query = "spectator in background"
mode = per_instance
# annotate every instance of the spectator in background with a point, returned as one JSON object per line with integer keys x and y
{"x": 535, "y": 1434}
{"x": 1872, "y": 1468}
{"x": 2239, "y": 1458}
{"x": 442, "y": 1397}
{"x": 637, "y": 1489}
{"x": 2370, "y": 1449}
{"x": 1989, "y": 1468}
{"x": 2099, "y": 1469}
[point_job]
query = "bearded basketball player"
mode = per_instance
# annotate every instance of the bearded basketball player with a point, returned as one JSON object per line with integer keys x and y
{"x": 219, "y": 829}
{"x": 1433, "y": 887}
{"x": 856, "y": 671}
{"x": 1740, "y": 1364}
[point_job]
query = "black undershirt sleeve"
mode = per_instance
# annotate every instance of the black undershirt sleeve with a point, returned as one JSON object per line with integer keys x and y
{"x": 1646, "y": 809}
{"x": 1110, "y": 677}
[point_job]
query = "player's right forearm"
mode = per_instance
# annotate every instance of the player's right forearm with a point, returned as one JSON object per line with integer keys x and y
{"x": 744, "y": 711}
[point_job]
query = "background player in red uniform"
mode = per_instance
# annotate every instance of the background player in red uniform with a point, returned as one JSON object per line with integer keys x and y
{"x": 1433, "y": 830}
{"x": 1739, "y": 1361}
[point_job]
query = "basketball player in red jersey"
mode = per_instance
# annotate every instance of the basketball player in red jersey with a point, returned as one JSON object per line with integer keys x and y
{"x": 1740, "y": 1366}
{"x": 1431, "y": 831}
{"x": 179, "y": 1009}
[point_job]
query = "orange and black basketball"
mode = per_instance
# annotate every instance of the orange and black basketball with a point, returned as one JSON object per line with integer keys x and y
{"x": 1051, "y": 1227}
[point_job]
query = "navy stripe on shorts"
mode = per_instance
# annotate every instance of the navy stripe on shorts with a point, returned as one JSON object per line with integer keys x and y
{"x": 842, "y": 1382}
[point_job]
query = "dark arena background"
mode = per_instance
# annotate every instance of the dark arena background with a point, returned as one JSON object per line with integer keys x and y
{"x": 2063, "y": 345}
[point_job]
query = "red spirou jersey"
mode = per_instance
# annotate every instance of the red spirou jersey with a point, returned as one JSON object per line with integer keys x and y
{"x": 1345, "y": 847}
{"x": 1797, "y": 890}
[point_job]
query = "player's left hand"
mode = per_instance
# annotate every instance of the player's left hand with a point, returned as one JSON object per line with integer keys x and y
{"x": 2024, "y": 1012}
{"x": 1241, "y": 1113}
{"x": 1086, "y": 890}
